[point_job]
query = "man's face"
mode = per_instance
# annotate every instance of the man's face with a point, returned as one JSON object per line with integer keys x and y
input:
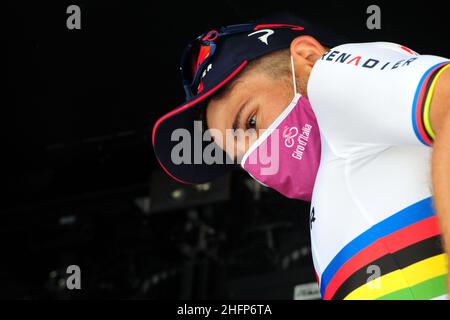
{"x": 254, "y": 101}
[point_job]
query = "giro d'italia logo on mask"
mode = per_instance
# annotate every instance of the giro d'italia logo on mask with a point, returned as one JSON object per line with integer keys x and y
{"x": 293, "y": 138}
{"x": 289, "y": 134}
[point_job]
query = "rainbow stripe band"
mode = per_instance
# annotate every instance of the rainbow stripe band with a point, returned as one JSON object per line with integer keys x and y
{"x": 405, "y": 239}
{"x": 427, "y": 104}
{"x": 380, "y": 249}
{"x": 391, "y": 262}
{"x": 413, "y": 276}
{"x": 422, "y": 101}
{"x": 425, "y": 290}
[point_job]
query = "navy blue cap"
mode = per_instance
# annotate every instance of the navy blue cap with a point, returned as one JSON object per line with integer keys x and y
{"x": 232, "y": 52}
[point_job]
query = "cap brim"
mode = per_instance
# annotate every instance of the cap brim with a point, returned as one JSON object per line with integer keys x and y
{"x": 183, "y": 117}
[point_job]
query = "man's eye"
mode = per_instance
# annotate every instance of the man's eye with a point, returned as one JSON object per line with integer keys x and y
{"x": 251, "y": 122}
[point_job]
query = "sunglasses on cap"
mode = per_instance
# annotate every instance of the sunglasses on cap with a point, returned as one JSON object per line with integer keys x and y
{"x": 198, "y": 54}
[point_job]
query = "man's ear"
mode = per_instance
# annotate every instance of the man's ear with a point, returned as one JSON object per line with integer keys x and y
{"x": 305, "y": 51}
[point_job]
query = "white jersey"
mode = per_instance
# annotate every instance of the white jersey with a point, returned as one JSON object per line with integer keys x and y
{"x": 374, "y": 232}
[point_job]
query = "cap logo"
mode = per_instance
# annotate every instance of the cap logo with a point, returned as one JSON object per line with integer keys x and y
{"x": 207, "y": 69}
{"x": 265, "y": 36}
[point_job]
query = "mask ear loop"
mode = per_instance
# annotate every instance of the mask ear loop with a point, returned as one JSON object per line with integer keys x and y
{"x": 293, "y": 75}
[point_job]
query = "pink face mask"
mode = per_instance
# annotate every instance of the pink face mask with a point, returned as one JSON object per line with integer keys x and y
{"x": 286, "y": 156}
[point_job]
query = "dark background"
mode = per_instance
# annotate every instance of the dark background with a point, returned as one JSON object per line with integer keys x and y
{"x": 80, "y": 174}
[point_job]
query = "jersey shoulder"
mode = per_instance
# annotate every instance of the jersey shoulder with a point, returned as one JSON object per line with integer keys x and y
{"x": 368, "y": 95}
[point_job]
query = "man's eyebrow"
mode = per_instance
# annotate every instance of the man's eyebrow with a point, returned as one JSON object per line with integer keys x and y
{"x": 237, "y": 119}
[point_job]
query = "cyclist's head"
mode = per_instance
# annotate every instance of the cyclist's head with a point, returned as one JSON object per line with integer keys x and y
{"x": 258, "y": 95}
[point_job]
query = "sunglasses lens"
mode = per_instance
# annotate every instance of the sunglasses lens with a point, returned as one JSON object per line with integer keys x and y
{"x": 203, "y": 54}
{"x": 196, "y": 54}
